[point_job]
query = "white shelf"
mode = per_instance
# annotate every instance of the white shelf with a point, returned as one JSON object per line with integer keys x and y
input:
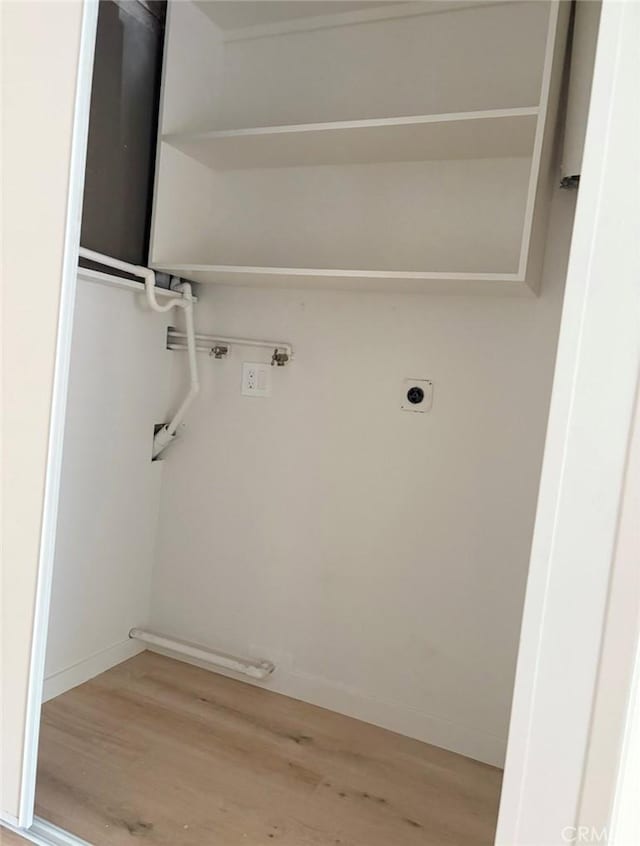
{"x": 496, "y": 133}
{"x": 305, "y": 277}
{"x": 450, "y": 196}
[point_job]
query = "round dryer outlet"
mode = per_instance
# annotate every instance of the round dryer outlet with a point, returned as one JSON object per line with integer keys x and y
{"x": 417, "y": 395}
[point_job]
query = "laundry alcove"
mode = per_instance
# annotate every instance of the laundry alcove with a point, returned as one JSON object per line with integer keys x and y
{"x": 375, "y": 187}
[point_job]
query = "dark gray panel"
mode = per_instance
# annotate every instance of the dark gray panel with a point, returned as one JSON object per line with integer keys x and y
{"x": 122, "y": 130}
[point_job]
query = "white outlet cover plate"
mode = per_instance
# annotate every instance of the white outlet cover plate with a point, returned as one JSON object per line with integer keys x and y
{"x": 256, "y": 379}
{"x": 426, "y": 385}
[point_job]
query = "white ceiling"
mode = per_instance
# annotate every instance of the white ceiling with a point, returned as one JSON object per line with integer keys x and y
{"x": 237, "y": 14}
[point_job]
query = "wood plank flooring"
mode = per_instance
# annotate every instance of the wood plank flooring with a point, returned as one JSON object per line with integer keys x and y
{"x": 8, "y": 838}
{"x": 155, "y": 750}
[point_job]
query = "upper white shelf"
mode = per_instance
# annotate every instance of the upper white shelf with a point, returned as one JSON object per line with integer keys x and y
{"x": 497, "y": 133}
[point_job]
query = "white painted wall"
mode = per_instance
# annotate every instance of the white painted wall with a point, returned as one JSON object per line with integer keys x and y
{"x": 378, "y": 557}
{"x": 110, "y": 488}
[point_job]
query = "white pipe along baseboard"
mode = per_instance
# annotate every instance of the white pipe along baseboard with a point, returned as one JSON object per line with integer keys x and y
{"x": 258, "y": 670}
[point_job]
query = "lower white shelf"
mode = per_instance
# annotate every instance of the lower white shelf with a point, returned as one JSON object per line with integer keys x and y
{"x": 467, "y": 135}
{"x": 366, "y": 280}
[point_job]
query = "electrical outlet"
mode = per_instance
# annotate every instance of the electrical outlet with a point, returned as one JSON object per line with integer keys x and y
{"x": 256, "y": 379}
{"x": 417, "y": 395}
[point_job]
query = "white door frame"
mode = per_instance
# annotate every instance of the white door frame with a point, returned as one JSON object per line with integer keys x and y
{"x": 80, "y": 131}
{"x": 624, "y": 826}
{"x": 596, "y": 375}
{"x": 581, "y": 488}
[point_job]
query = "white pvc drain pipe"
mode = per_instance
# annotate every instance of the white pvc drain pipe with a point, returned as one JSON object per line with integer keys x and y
{"x": 258, "y": 670}
{"x": 166, "y": 433}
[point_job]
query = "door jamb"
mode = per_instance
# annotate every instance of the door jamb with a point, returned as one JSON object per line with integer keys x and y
{"x": 80, "y": 134}
{"x": 586, "y": 453}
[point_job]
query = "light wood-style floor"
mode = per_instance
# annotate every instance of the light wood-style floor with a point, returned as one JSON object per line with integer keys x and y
{"x": 8, "y": 838}
{"x": 158, "y": 751}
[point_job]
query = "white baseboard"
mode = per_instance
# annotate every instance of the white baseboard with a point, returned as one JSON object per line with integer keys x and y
{"x": 88, "y": 668}
{"x": 402, "y": 719}
{"x": 472, "y": 743}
